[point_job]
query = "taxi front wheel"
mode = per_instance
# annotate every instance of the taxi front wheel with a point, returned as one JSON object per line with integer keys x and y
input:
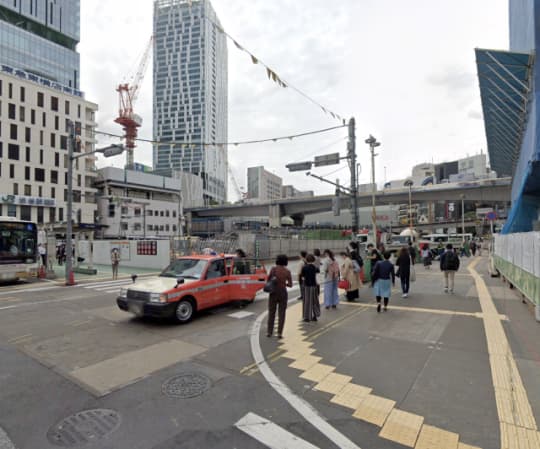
{"x": 184, "y": 311}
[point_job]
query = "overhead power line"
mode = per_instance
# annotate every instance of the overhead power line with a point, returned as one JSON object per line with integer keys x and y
{"x": 242, "y": 142}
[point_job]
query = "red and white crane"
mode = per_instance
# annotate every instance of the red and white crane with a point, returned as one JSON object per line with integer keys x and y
{"x": 127, "y": 95}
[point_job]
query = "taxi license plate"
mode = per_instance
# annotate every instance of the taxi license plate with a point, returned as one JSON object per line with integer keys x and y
{"x": 135, "y": 308}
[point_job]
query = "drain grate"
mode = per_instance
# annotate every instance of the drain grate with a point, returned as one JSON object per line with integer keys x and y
{"x": 188, "y": 385}
{"x": 84, "y": 427}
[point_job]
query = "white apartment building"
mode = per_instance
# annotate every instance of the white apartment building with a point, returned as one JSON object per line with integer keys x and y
{"x": 34, "y": 112}
{"x": 135, "y": 204}
{"x": 263, "y": 185}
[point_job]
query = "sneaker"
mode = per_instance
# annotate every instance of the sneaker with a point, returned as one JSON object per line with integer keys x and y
{"x": 280, "y": 336}
{"x": 385, "y": 308}
{"x": 378, "y": 307}
{"x": 314, "y": 319}
{"x": 451, "y": 292}
{"x": 333, "y": 307}
{"x": 405, "y": 295}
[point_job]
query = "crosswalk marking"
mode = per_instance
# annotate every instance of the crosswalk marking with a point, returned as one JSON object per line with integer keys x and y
{"x": 108, "y": 286}
{"x": 270, "y": 434}
{"x": 240, "y": 315}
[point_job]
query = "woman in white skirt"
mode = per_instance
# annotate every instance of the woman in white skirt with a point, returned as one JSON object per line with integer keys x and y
{"x": 382, "y": 279}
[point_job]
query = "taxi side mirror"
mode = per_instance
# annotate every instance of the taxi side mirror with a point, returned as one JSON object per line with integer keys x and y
{"x": 179, "y": 281}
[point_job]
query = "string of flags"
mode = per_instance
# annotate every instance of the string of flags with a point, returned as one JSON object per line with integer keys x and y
{"x": 272, "y": 75}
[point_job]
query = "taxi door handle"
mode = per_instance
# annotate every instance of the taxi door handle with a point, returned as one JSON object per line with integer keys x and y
{"x": 261, "y": 280}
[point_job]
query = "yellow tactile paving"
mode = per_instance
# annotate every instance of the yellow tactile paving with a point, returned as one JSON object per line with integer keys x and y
{"x": 333, "y": 383}
{"x": 374, "y": 409}
{"x": 306, "y": 362}
{"x": 466, "y": 446}
{"x": 317, "y": 372}
{"x": 402, "y": 427}
{"x": 518, "y": 426}
{"x": 351, "y": 395}
{"x": 434, "y": 438}
{"x": 296, "y": 354}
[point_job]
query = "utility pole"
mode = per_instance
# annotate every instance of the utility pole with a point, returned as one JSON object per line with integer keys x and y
{"x": 69, "y": 223}
{"x": 354, "y": 182}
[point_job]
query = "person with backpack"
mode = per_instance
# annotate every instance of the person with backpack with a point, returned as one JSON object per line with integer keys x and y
{"x": 449, "y": 266}
{"x": 351, "y": 276}
{"x": 331, "y": 278}
{"x": 382, "y": 280}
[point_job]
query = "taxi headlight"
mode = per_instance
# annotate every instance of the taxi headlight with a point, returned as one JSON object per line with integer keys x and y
{"x": 158, "y": 297}
{"x": 123, "y": 292}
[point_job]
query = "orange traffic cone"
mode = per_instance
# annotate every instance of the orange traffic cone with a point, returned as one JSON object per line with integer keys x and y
{"x": 71, "y": 279}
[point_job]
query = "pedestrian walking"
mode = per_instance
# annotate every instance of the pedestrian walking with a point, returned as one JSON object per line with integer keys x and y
{"x": 412, "y": 252}
{"x": 278, "y": 298}
{"x": 320, "y": 274}
{"x": 351, "y": 276}
{"x": 115, "y": 261}
{"x": 426, "y": 257}
{"x": 403, "y": 263}
{"x": 303, "y": 255}
{"x": 43, "y": 254}
{"x": 311, "y": 308}
{"x": 331, "y": 278}
{"x": 383, "y": 278}
{"x": 473, "y": 248}
{"x": 372, "y": 257}
{"x": 449, "y": 266}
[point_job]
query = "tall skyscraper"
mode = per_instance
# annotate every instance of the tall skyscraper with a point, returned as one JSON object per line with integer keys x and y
{"x": 190, "y": 93}
{"x": 41, "y": 37}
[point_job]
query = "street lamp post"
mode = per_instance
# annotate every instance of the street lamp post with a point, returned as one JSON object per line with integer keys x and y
{"x": 463, "y": 219}
{"x": 409, "y": 184}
{"x": 109, "y": 151}
{"x": 372, "y": 142}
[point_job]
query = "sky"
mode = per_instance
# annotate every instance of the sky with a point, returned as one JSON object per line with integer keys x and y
{"x": 404, "y": 69}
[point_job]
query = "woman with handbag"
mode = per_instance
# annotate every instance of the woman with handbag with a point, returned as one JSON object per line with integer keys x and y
{"x": 278, "y": 297}
{"x": 311, "y": 308}
{"x": 351, "y": 278}
{"x": 403, "y": 263}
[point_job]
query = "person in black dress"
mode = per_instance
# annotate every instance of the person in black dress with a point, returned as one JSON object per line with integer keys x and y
{"x": 403, "y": 263}
{"x": 310, "y": 307}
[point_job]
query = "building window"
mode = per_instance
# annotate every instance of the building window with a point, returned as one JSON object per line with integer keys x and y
{"x": 22, "y": 94}
{"x": 167, "y": 213}
{"x": 40, "y": 99}
{"x": 11, "y": 170}
{"x": 56, "y": 160}
{"x": 124, "y": 226}
{"x": 174, "y": 228}
{"x": 10, "y": 90}
{"x": 53, "y": 140}
{"x": 12, "y": 210}
{"x": 137, "y": 226}
{"x": 149, "y": 212}
{"x": 137, "y": 212}
{"x": 28, "y": 190}
{"x": 161, "y": 213}
{"x": 61, "y": 214}
{"x": 52, "y": 215}
{"x": 150, "y": 227}
{"x": 174, "y": 214}
{"x": 33, "y": 116}
{"x": 53, "y": 192}
{"x": 13, "y": 152}
{"x": 66, "y": 107}
{"x": 21, "y": 114}
{"x": 166, "y": 227}
{"x": 41, "y": 157}
{"x": 40, "y": 191}
{"x": 39, "y": 174}
{"x": 40, "y": 215}
{"x": 111, "y": 210}
{"x": 11, "y": 111}
{"x": 13, "y": 132}
{"x": 124, "y": 210}
{"x": 27, "y": 173}
{"x": 54, "y": 102}
{"x": 56, "y": 123}
{"x": 54, "y": 177}
{"x": 26, "y": 213}
{"x": 63, "y": 142}
{"x": 27, "y": 135}
{"x": 15, "y": 188}
{"x": 43, "y": 119}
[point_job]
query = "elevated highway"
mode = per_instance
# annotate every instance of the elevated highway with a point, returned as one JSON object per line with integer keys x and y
{"x": 487, "y": 190}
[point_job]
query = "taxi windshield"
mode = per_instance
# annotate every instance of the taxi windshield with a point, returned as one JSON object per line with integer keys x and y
{"x": 187, "y": 268}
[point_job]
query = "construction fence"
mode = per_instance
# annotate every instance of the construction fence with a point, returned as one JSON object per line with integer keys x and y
{"x": 517, "y": 257}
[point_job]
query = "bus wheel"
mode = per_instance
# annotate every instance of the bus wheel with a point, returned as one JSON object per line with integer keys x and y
{"x": 184, "y": 311}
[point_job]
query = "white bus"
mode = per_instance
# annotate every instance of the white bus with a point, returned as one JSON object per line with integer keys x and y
{"x": 19, "y": 256}
{"x": 446, "y": 238}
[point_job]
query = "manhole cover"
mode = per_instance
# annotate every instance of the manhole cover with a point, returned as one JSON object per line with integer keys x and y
{"x": 84, "y": 427}
{"x": 187, "y": 385}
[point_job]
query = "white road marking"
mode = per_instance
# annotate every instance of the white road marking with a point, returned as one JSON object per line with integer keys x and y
{"x": 35, "y": 303}
{"x": 240, "y": 315}
{"x": 270, "y": 434}
{"x": 5, "y": 442}
{"x": 24, "y": 290}
{"x": 300, "y": 405}
{"x": 107, "y": 283}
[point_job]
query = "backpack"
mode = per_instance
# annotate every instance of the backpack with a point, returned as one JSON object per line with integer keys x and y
{"x": 451, "y": 261}
{"x": 333, "y": 270}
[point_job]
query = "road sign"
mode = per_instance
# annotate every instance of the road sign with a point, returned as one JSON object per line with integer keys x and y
{"x": 299, "y": 166}
{"x": 327, "y": 159}
{"x": 491, "y": 216}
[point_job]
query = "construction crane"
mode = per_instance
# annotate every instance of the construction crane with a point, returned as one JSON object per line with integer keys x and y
{"x": 241, "y": 195}
{"x": 127, "y": 95}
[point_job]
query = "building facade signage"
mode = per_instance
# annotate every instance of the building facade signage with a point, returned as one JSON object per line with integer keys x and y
{"x": 27, "y": 200}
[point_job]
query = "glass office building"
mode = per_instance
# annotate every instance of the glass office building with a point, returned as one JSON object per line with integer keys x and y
{"x": 41, "y": 37}
{"x": 190, "y": 93}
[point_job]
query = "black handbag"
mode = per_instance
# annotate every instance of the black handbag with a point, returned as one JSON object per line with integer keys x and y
{"x": 271, "y": 284}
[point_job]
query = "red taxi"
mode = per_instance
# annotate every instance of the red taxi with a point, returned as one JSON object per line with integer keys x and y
{"x": 194, "y": 283}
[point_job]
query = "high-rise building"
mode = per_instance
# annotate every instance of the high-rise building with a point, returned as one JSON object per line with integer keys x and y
{"x": 263, "y": 185}
{"x": 40, "y": 37}
{"x": 190, "y": 93}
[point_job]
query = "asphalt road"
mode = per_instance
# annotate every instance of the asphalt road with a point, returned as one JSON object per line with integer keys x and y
{"x": 77, "y": 372}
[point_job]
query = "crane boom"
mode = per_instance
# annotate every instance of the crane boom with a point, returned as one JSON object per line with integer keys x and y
{"x": 127, "y": 95}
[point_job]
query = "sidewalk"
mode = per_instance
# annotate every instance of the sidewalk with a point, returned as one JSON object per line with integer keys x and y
{"x": 437, "y": 370}
{"x": 104, "y": 272}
